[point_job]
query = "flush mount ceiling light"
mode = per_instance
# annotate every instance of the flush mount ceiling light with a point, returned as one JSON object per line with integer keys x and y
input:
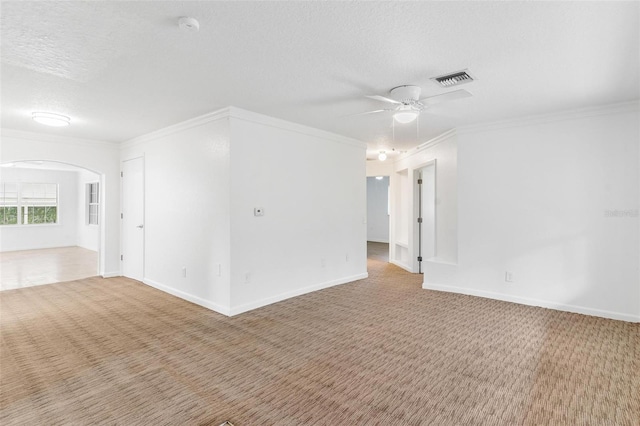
{"x": 382, "y": 156}
{"x": 51, "y": 119}
{"x": 405, "y": 117}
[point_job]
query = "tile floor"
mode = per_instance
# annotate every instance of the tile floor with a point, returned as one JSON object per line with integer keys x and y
{"x": 35, "y": 267}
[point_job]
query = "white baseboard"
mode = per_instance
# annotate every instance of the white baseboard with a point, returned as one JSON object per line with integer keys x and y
{"x": 4, "y": 248}
{"x": 252, "y": 305}
{"x": 111, "y": 274}
{"x": 224, "y": 310}
{"x": 87, "y": 248}
{"x": 402, "y": 265}
{"x": 533, "y": 302}
{"x": 297, "y": 292}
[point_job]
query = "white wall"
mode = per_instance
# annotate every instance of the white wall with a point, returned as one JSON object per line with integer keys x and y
{"x": 311, "y": 186}
{"x": 61, "y": 234}
{"x": 187, "y": 209}
{"x": 100, "y": 157}
{"x": 378, "y": 209}
{"x": 379, "y": 168}
{"x": 88, "y": 235}
{"x": 203, "y": 179}
{"x": 533, "y": 200}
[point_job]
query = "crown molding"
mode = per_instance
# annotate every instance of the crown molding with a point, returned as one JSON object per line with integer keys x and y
{"x": 435, "y": 141}
{"x": 266, "y": 120}
{"x": 178, "y": 127}
{"x": 442, "y": 137}
{"x": 241, "y": 114}
{"x": 44, "y": 137}
{"x": 552, "y": 117}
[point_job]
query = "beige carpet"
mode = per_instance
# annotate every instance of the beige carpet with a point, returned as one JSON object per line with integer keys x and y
{"x": 378, "y": 351}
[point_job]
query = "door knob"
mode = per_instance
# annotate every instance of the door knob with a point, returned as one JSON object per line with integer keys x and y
{"x": 140, "y": 226}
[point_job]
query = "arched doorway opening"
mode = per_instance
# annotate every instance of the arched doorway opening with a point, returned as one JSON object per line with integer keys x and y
{"x": 51, "y": 223}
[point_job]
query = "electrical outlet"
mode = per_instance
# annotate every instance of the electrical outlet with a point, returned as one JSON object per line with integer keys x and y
{"x": 346, "y": 258}
{"x": 508, "y": 276}
{"x": 219, "y": 268}
{"x": 323, "y": 262}
{"x": 184, "y": 272}
{"x": 247, "y": 277}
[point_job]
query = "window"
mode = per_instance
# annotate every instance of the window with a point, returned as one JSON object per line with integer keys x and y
{"x": 8, "y": 203}
{"x": 93, "y": 203}
{"x": 28, "y": 203}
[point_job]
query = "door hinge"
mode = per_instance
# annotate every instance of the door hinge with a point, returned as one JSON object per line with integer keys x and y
{"x": 419, "y": 181}
{"x": 419, "y": 220}
{"x": 121, "y": 257}
{"x": 121, "y": 216}
{"x": 419, "y": 258}
{"x": 121, "y": 174}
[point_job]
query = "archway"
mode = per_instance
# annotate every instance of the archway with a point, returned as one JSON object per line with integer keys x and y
{"x": 51, "y": 216}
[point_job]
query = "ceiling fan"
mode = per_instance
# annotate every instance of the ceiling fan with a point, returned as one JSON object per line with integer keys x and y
{"x": 407, "y": 102}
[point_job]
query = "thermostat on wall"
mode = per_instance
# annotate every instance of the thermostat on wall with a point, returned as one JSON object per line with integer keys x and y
{"x": 258, "y": 211}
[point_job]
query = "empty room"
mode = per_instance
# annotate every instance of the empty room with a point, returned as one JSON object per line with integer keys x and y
{"x": 313, "y": 213}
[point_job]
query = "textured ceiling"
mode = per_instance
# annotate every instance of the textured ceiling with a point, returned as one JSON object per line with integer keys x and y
{"x": 122, "y": 69}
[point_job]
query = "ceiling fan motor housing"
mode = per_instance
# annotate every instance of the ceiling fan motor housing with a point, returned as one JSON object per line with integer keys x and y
{"x": 408, "y": 95}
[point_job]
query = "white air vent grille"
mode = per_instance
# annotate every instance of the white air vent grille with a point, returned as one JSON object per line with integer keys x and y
{"x": 454, "y": 79}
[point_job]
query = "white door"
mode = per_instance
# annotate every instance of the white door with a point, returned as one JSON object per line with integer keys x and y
{"x": 133, "y": 218}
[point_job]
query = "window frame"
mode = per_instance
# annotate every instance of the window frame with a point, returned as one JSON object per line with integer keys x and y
{"x": 96, "y": 204}
{"x": 21, "y": 205}
{"x": 5, "y": 206}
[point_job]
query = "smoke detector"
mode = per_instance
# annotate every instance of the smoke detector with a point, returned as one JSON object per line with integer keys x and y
{"x": 454, "y": 79}
{"x": 186, "y": 23}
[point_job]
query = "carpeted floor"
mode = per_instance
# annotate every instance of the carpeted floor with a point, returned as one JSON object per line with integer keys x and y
{"x": 377, "y": 351}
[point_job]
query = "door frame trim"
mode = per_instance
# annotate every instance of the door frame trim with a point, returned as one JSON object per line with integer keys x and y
{"x": 415, "y": 230}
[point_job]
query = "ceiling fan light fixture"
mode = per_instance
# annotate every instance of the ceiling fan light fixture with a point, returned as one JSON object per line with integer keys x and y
{"x": 51, "y": 119}
{"x": 382, "y": 156}
{"x": 404, "y": 117}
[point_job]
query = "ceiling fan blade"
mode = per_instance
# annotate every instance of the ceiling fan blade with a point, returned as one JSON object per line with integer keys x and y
{"x": 368, "y": 112}
{"x": 383, "y": 99}
{"x": 449, "y": 96}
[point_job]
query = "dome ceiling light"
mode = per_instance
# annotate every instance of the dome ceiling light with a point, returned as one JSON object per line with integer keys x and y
{"x": 51, "y": 119}
{"x": 404, "y": 117}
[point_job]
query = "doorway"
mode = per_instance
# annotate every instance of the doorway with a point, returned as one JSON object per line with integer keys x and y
{"x": 378, "y": 211}
{"x": 133, "y": 218}
{"x": 425, "y": 234}
{"x": 50, "y": 223}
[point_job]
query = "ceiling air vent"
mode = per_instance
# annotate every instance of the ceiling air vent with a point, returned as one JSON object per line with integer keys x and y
{"x": 454, "y": 79}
